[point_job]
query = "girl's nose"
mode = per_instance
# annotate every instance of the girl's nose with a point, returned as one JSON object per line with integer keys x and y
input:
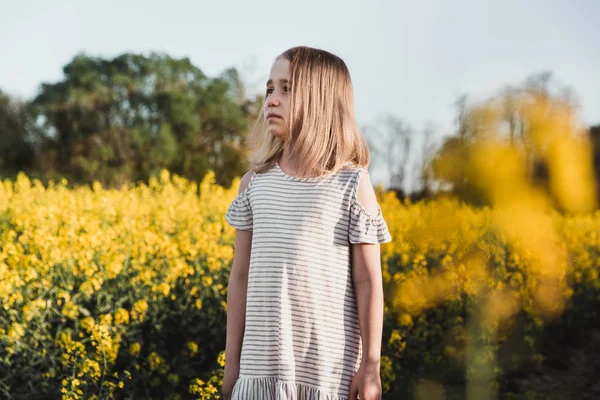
{"x": 273, "y": 100}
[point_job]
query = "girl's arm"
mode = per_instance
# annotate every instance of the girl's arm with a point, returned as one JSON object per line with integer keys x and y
{"x": 368, "y": 284}
{"x": 237, "y": 289}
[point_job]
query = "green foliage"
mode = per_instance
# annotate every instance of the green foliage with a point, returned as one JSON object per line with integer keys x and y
{"x": 17, "y": 150}
{"x": 123, "y": 119}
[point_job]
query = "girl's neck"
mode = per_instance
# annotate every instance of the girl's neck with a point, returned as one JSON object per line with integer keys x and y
{"x": 289, "y": 162}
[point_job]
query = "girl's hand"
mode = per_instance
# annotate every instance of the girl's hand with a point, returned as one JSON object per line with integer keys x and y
{"x": 366, "y": 384}
{"x": 230, "y": 377}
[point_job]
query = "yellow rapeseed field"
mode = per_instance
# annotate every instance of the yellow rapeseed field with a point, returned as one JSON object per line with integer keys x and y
{"x": 121, "y": 293}
{"x": 91, "y": 279}
{"x": 97, "y": 285}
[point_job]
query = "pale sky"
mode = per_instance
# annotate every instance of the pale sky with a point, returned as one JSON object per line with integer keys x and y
{"x": 408, "y": 58}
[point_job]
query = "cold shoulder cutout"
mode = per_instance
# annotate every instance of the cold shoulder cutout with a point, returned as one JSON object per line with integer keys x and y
{"x": 365, "y": 226}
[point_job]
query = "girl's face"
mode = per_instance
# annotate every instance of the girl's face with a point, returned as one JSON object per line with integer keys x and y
{"x": 277, "y": 101}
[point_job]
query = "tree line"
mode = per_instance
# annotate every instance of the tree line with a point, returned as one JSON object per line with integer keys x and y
{"x": 124, "y": 119}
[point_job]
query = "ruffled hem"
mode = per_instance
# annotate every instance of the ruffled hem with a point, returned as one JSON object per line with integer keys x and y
{"x": 367, "y": 228}
{"x": 239, "y": 213}
{"x": 273, "y": 388}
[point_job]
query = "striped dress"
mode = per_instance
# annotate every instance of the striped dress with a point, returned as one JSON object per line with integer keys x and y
{"x": 302, "y": 338}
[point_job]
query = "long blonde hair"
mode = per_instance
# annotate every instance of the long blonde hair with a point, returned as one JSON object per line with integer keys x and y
{"x": 323, "y": 131}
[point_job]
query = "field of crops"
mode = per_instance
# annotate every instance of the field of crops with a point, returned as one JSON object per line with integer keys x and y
{"x": 119, "y": 293}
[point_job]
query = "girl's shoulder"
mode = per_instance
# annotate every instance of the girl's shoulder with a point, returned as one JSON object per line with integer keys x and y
{"x": 354, "y": 169}
{"x": 347, "y": 176}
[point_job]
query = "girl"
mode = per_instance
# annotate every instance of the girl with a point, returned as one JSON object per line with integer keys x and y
{"x": 305, "y": 297}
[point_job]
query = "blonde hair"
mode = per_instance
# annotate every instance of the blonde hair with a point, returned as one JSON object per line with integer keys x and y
{"x": 323, "y": 131}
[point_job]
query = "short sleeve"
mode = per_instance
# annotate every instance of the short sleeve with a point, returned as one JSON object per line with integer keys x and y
{"x": 364, "y": 226}
{"x": 239, "y": 213}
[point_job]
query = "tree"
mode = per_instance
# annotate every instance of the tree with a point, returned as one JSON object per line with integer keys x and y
{"x": 17, "y": 141}
{"x": 423, "y": 172}
{"x": 390, "y": 138}
{"x": 124, "y": 119}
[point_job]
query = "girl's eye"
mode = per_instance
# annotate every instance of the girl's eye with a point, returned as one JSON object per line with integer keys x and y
{"x": 285, "y": 89}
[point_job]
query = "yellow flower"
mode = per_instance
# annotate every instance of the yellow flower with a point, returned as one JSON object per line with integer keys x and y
{"x": 139, "y": 310}
{"x": 88, "y": 324}
{"x": 221, "y": 358}
{"x": 106, "y": 319}
{"x": 16, "y": 331}
{"x": 405, "y": 320}
{"x": 163, "y": 288}
{"x": 134, "y": 349}
{"x": 155, "y": 361}
{"x": 121, "y": 316}
{"x": 70, "y": 310}
{"x": 192, "y": 347}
